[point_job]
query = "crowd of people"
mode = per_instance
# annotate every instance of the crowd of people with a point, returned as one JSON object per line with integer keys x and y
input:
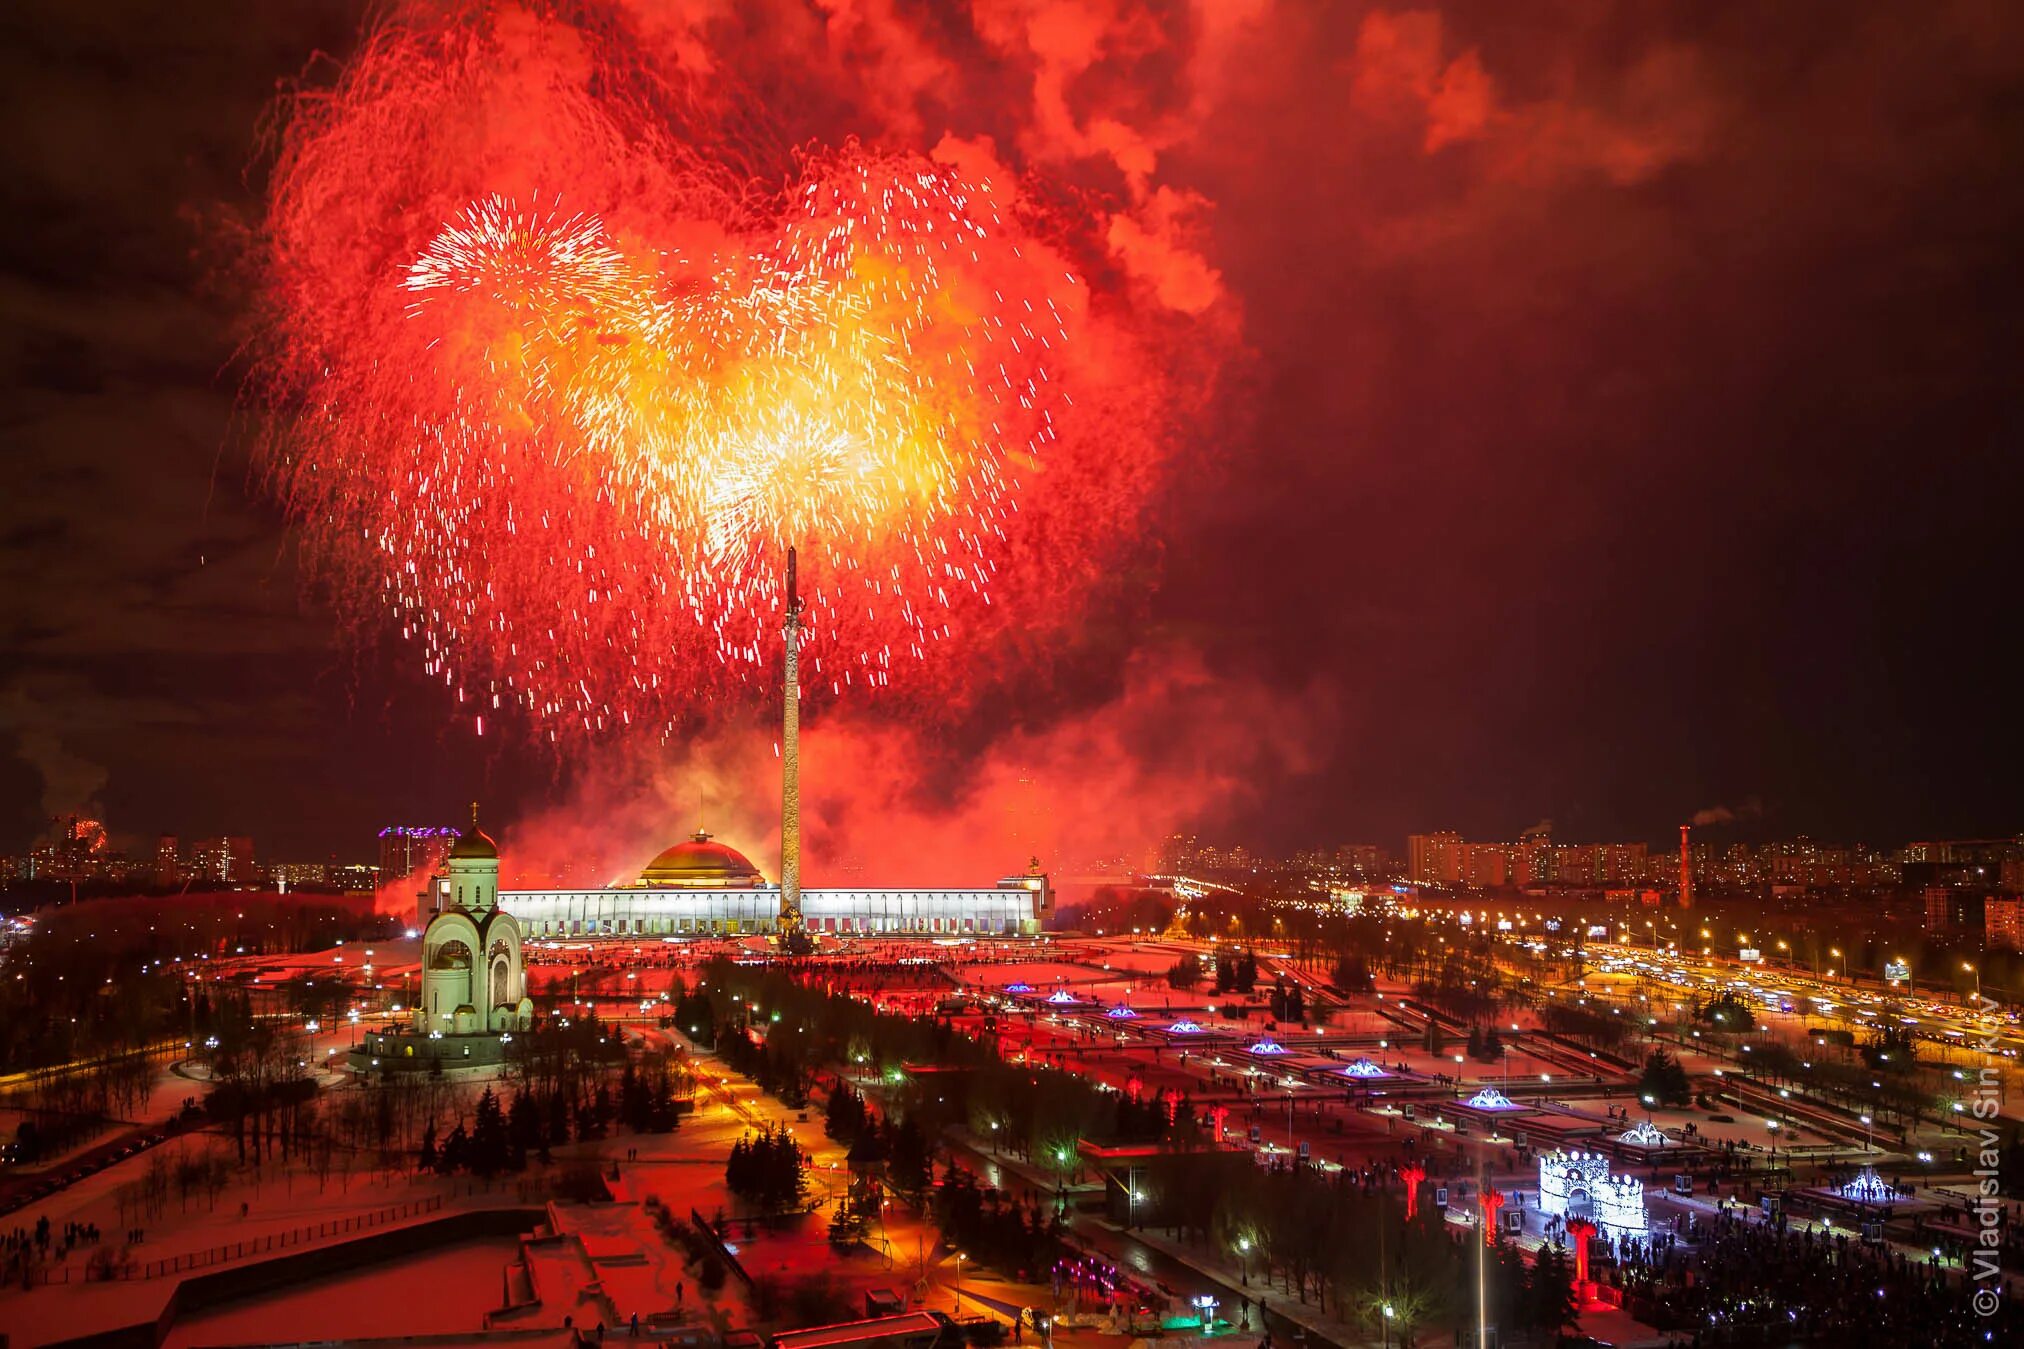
{"x": 1726, "y": 1278}
{"x": 27, "y": 1247}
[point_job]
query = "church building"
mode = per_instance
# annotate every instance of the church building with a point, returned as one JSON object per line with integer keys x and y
{"x": 473, "y": 977}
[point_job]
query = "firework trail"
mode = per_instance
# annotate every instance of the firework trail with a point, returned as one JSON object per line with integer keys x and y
{"x": 564, "y": 369}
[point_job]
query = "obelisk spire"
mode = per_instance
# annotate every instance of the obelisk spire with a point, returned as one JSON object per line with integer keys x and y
{"x": 790, "y": 768}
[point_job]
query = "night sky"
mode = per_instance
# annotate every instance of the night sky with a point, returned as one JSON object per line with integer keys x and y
{"x": 1624, "y": 422}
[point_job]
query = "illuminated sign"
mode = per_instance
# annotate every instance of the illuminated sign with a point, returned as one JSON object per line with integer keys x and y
{"x": 1749, "y": 953}
{"x": 1897, "y": 971}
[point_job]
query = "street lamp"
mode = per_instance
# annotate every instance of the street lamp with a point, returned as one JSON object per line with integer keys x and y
{"x": 960, "y": 1258}
{"x": 1244, "y": 1259}
{"x": 1865, "y": 1133}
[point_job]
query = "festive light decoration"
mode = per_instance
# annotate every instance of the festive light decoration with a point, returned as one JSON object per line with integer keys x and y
{"x": 1267, "y": 1047}
{"x": 561, "y": 372}
{"x": 1364, "y": 1068}
{"x": 1414, "y": 1175}
{"x": 1019, "y": 988}
{"x": 1184, "y": 1027}
{"x": 1645, "y": 1134}
{"x": 1579, "y": 1231}
{"x": 1868, "y": 1187}
{"x": 1579, "y": 1184}
{"x": 1491, "y": 1202}
{"x": 1061, "y": 997}
{"x": 1489, "y": 1098}
{"x": 1120, "y": 1013}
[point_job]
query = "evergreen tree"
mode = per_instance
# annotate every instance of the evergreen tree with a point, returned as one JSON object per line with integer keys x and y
{"x": 909, "y": 1157}
{"x": 426, "y": 1160}
{"x": 662, "y": 1116}
{"x": 491, "y": 1149}
{"x": 1551, "y": 1298}
{"x": 456, "y": 1153}
{"x": 844, "y": 1118}
{"x": 557, "y": 1132}
{"x": 633, "y": 1101}
{"x": 1663, "y": 1080}
{"x": 523, "y": 1129}
{"x": 1352, "y": 975}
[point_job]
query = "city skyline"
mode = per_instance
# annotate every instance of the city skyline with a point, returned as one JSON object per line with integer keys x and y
{"x": 1649, "y": 598}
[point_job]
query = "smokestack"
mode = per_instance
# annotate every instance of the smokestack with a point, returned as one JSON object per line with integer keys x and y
{"x": 1686, "y": 868}
{"x": 790, "y": 769}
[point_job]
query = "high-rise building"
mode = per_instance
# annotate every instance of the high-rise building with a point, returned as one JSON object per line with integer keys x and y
{"x": 2003, "y": 922}
{"x": 168, "y": 867}
{"x": 405, "y": 849}
{"x": 227, "y": 860}
{"x": 1949, "y": 908}
{"x": 1434, "y": 859}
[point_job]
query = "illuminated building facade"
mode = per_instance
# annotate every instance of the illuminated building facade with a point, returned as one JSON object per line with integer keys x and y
{"x": 702, "y": 888}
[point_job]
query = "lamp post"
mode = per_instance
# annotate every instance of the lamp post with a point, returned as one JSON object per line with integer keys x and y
{"x": 960, "y": 1258}
{"x": 1244, "y": 1260}
{"x": 1866, "y": 1129}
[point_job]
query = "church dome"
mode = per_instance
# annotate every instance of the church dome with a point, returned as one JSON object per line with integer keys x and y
{"x": 474, "y": 845}
{"x": 701, "y": 863}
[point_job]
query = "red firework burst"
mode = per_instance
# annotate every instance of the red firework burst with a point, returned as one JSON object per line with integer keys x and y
{"x": 565, "y": 381}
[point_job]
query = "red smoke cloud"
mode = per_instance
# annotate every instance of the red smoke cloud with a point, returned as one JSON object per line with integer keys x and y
{"x": 888, "y": 806}
{"x": 1653, "y": 112}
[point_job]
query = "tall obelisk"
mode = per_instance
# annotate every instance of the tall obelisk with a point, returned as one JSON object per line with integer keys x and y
{"x": 790, "y": 769}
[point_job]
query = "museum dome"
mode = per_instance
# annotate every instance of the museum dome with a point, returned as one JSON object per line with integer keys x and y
{"x": 701, "y": 863}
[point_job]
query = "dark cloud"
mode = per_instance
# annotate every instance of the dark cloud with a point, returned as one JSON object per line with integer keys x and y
{"x": 1630, "y": 419}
